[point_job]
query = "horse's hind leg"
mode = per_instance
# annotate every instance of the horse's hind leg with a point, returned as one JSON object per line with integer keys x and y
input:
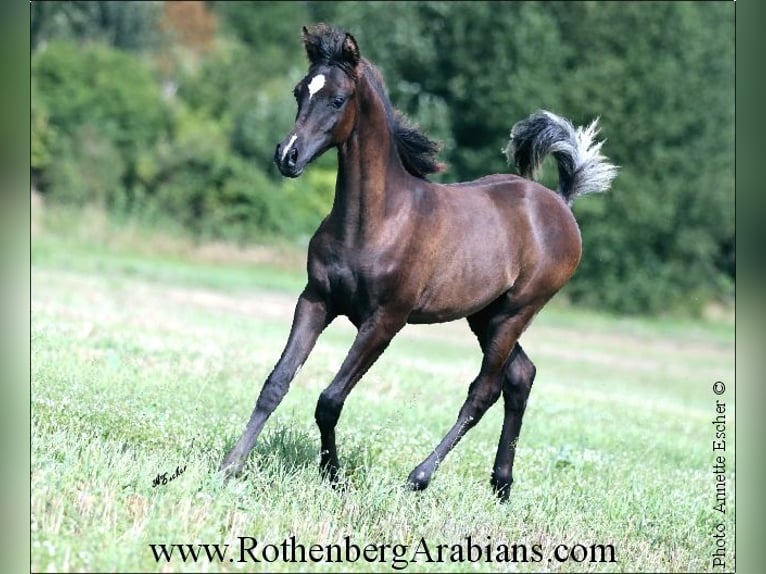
{"x": 518, "y": 377}
{"x": 501, "y": 334}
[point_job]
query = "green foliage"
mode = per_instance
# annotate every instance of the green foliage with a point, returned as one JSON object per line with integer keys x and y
{"x": 186, "y": 172}
{"x": 124, "y": 24}
{"x": 96, "y": 110}
{"x": 255, "y": 108}
{"x": 672, "y": 207}
{"x": 101, "y": 86}
{"x": 88, "y": 169}
{"x": 42, "y": 134}
{"x": 202, "y": 159}
{"x": 271, "y": 30}
{"x": 195, "y": 143}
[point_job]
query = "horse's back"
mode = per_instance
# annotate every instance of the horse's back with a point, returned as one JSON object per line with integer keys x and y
{"x": 521, "y": 202}
{"x": 474, "y": 242}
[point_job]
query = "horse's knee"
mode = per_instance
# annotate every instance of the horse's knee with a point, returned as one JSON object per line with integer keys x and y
{"x": 327, "y": 411}
{"x": 482, "y": 394}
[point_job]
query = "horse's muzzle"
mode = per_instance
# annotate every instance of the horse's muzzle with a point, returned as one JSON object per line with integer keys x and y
{"x": 286, "y": 158}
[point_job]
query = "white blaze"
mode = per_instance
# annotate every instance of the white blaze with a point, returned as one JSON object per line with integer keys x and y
{"x": 316, "y": 84}
{"x": 288, "y": 146}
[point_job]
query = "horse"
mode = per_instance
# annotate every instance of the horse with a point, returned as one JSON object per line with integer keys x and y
{"x": 397, "y": 248}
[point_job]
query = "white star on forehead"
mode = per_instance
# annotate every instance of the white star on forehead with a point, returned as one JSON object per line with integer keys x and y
{"x": 316, "y": 84}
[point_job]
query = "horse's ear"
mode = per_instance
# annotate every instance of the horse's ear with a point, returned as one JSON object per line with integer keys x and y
{"x": 312, "y": 50}
{"x": 350, "y": 50}
{"x": 321, "y": 45}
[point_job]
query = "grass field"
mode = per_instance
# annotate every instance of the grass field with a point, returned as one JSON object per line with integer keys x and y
{"x": 145, "y": 361}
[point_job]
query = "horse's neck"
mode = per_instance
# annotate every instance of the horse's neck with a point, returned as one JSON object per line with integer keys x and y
{"x": 368, "y": 170}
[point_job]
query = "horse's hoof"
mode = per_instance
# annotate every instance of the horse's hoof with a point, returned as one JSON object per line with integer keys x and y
{"x": 231, "y": 468}
{"x": 418, "y": 480}
{"x": 329, "y": 472}
{"x": 340, "y": 486}
{"x": 501, "y": 488}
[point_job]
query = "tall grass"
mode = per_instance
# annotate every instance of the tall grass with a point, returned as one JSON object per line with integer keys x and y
{"x": 145, "y": 362}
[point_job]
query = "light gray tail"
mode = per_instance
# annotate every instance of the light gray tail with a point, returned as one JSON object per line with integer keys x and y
{"x": 582, "y": 168}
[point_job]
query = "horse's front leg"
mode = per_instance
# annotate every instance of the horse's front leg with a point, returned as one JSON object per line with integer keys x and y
{"x": 311, "y": 317}
{"x": 372, "y": 339}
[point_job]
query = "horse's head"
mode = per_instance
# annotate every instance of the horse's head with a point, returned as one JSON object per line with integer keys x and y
{"x": 325, "y": 97}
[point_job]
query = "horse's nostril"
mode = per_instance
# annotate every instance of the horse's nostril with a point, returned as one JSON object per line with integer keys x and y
{"x": 292, "y": 157}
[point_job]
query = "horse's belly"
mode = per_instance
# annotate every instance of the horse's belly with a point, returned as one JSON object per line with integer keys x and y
{"x": 429, "y": 317}
{"x": 450, "y": 300}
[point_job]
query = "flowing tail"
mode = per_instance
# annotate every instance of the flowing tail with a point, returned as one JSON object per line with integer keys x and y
{"x": 582, "y": 168}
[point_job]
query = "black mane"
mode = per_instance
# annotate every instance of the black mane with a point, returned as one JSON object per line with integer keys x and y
{"x": 418, "y": 152}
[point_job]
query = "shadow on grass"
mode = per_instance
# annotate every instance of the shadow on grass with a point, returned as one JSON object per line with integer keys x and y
{"x": 292, "y": 448}
{"x": 288, "y": 450}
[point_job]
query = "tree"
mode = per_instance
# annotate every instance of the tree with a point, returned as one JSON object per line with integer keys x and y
{"x": 123, "y": 24}
{"x": 666, "y": 97}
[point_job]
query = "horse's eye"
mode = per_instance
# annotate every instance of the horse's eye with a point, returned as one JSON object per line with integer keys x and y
{"x": 338, "y": 102}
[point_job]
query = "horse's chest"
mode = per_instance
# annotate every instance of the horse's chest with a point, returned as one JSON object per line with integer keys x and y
{"x": 344, "y": 280}
{"x": 355, "y": 282}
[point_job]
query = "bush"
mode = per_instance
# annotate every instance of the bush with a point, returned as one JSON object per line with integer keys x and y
{"x": 43, "y": 136}
{"x": 104, "y": 87}
{"x": 105, "y": 108}
{"x": 87, "y": 169}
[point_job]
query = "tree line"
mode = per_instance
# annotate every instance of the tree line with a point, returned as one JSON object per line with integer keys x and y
{"x": 170, "y": 111}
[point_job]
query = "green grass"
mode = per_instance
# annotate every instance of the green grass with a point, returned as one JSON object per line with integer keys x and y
{"x": 144, "y": 360}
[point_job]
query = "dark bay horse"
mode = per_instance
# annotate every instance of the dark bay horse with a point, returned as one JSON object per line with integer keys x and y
{"x": 397, "y": 248}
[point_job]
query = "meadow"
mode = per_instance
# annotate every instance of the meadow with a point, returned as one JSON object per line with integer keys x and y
{"x": 147, "y": 357}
